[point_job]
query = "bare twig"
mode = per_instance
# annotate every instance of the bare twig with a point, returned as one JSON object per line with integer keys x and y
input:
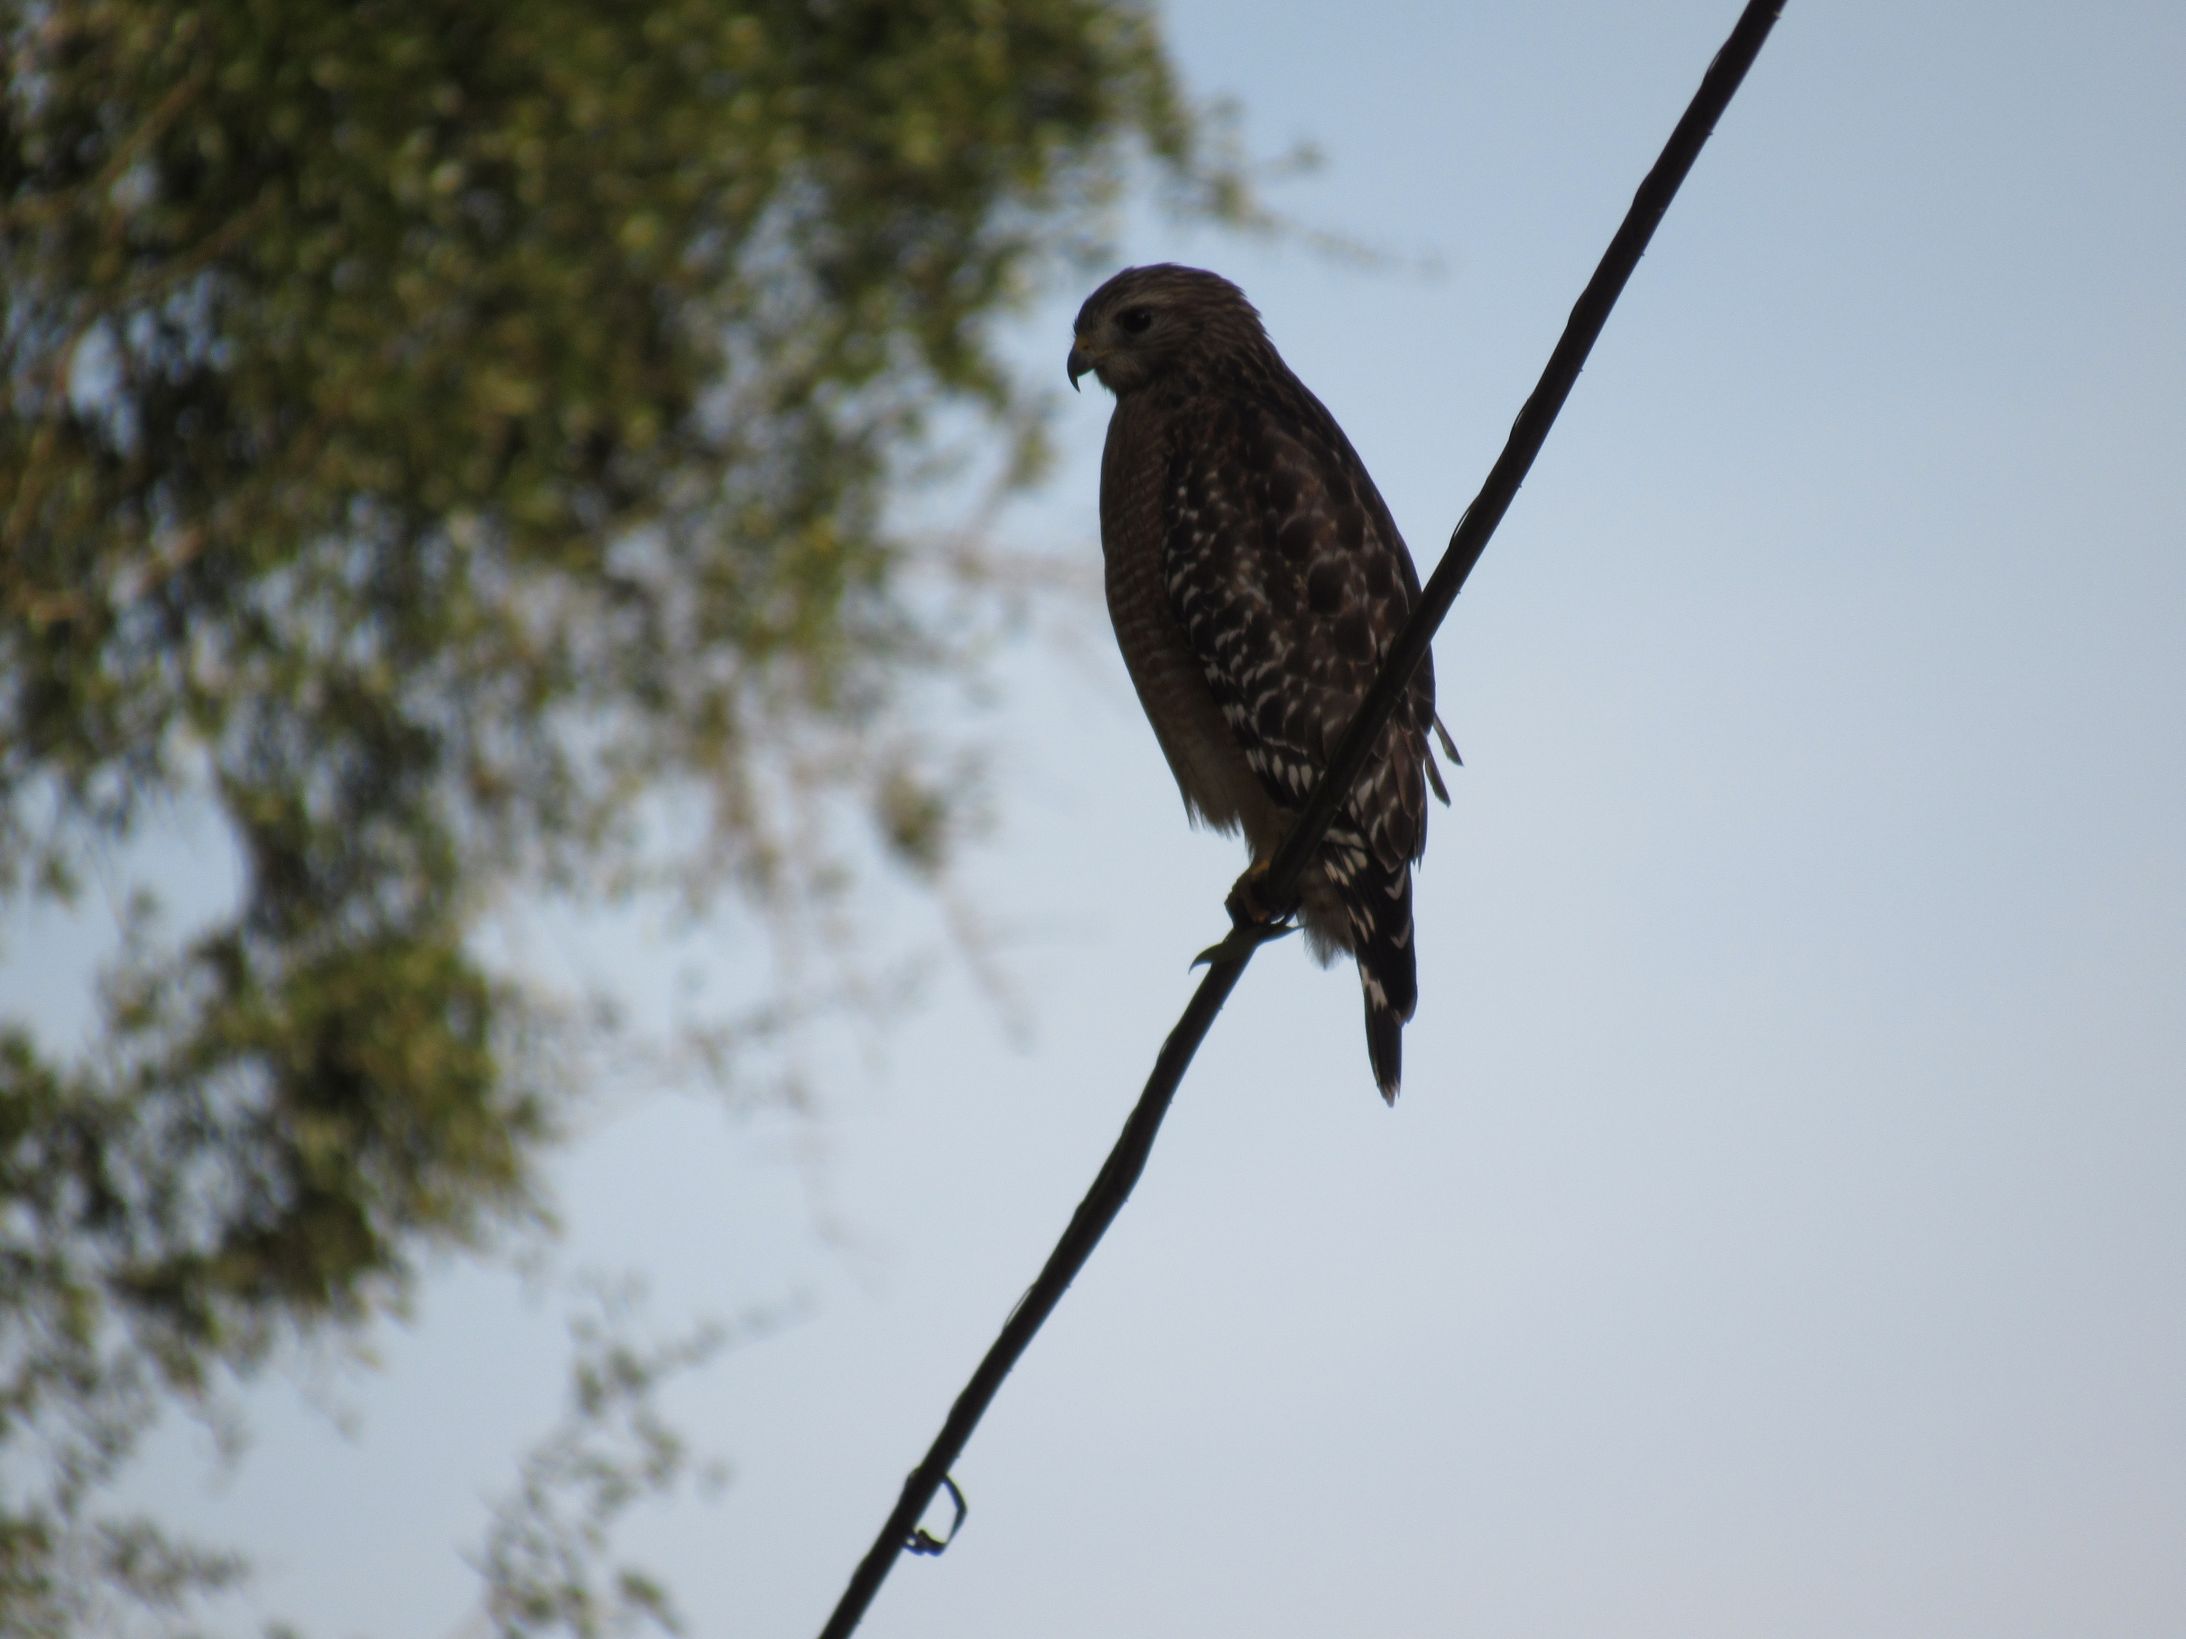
{"x": 35, "y": 210}
{"x": 1125, "y": 1162}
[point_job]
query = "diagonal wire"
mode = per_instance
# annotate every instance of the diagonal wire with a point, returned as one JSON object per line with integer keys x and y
{"x": 1112, "y": 1187}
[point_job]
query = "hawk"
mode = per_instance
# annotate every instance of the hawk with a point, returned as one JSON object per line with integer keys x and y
{"x": 1256, "y": 582}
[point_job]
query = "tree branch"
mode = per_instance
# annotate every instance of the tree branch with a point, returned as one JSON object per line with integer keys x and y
{"x": 1128, "y": 1159}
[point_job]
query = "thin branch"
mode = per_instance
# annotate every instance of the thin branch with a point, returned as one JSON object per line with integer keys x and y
{"x": 1128, "y": 1159}
{"x": 35, "y": 210}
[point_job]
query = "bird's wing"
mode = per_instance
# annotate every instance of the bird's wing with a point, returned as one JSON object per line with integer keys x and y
{"x": 1290, "y": 584}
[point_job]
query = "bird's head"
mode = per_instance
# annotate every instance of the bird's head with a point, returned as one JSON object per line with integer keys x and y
{"x": 1147, "y": 321}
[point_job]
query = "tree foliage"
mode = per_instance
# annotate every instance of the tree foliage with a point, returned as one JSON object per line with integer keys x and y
{"x": 430, "y": 432}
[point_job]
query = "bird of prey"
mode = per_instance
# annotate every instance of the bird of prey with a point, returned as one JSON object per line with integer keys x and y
{"x": 1256, "y": 582}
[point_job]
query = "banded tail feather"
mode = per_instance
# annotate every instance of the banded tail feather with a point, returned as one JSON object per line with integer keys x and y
{"x": 1377, "y": 912}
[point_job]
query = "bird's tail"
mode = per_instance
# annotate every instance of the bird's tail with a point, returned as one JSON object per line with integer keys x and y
{"x": 1377, "y": 905}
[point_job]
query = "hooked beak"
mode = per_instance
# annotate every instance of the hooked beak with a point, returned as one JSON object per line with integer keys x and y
{"x": 1079, "y": 362}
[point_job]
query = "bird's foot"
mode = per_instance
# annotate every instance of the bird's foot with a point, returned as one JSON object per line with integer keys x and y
{"x": 1249, "y": 903}
{"x": 1245, "y": 938}
{"x": 1255, "y": 919}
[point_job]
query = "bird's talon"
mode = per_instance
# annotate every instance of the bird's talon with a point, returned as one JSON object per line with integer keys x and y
{"x": 1246, "y": 936}
{"x": 1248, "y": 902}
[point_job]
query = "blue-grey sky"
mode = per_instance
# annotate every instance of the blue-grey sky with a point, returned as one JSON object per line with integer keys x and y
{"x": 1783, "y": 1229}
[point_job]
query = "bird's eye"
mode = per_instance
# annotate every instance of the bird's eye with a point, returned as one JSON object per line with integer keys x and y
{"x": 1135, "y": 319}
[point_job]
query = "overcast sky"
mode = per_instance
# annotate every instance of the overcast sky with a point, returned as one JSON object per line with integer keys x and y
{"x": 1783, "y": 1228}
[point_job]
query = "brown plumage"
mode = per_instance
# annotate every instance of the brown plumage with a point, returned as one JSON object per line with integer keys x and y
{"x": 1256, "y": 582}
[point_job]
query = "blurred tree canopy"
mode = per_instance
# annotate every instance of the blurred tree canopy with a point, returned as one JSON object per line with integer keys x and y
{"x": 430, "y": 431}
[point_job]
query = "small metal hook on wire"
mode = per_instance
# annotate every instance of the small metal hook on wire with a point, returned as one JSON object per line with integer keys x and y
{"x": 923, "y": 1541}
